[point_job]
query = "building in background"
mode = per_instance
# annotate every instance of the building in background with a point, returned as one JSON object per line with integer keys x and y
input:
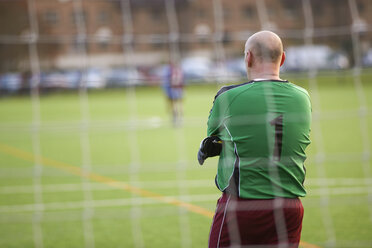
{"x": 72, "y": 33}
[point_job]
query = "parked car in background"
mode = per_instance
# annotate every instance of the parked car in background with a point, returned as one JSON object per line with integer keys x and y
{"x": 338, "y": 61}
{"x": 221, "y": 71}
{"x": 319, "y": 57}
{"x": 53, "y": 80}
{"x": 72, "y": 78}
{"x": 94, "y": 78}
{"x": 196, "y": 68}
{"x": 367, "y": 59}
{"x": 237, "y": 66}
{"x": 10, "y": 82}
{"x": 120, "y": 77}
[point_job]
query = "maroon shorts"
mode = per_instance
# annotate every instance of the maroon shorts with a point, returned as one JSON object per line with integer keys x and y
{"x": 256, "y": 223}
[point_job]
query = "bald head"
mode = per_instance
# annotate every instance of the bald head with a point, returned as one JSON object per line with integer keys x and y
{"x": 265, "y": 46}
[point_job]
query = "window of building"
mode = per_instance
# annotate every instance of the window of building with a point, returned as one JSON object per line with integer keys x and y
{"x": 291, "y": 8}
{"x": 156, "y": 14}
{"x": 318, "y": 10}
{"x": 226, "y": 13}
{"x": 361, "y": 7}
{"x": 290, "y": 13}
{"x": 51, "y": 17}
{"x": 201, "y": 13}
{"x": 81, "y": 16}
{"x": 226, "y": 37}
{"x": 271, "y": 11}
{"x": 80, "y": 46}
{"x": 248, "y": 12}
{"x": 103, "y": 17}
{"x": 103, "y": 45}
{"x": 158, "y": 45}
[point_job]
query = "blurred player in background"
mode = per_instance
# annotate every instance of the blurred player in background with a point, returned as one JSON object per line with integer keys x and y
{"x": 173, "y": 87}
{"x": 260, "y": 130}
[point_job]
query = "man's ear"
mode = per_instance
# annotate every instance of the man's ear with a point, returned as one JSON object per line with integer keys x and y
{"x": 283, "y": 59}
{"x": 249, "y": 59}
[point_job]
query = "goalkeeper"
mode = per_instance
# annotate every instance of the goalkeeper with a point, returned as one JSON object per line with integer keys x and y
{"x": 259, "y": 130}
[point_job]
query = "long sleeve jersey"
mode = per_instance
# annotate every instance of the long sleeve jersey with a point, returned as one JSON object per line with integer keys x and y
{"x": 265, "y": 129}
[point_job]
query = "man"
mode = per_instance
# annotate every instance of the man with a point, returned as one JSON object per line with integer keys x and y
{"x": 173, "y": 87}
{"x": 260, "y": 130}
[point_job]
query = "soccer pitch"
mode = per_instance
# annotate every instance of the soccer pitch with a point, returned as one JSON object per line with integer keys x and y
{"x": 113, "y": 172}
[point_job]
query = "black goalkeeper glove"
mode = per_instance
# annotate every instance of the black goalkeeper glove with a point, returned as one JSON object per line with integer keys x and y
{"x": 209, "y": 147}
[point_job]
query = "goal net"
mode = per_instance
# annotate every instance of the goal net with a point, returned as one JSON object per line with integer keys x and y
{"x": 89, "y": 156}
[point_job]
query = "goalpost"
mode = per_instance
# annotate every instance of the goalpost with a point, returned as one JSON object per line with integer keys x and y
{"x": 184, "y": 202}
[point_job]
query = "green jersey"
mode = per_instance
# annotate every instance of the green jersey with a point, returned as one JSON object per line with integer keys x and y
{"x": 265, "y": 127}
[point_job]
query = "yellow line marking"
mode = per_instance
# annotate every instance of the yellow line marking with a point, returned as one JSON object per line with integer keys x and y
{"x": 27, "y": 156}
{"x": 308, "y": 245}
{"x": 102, "y": 179}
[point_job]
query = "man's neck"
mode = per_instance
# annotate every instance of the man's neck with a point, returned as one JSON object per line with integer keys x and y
{"x": 268, "y": 71}
{"x": 266, "y": 77}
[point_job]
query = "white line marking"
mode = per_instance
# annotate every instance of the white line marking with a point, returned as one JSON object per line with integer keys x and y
{"x": 148, "y": 201}
{"x": 101, "y": 203}
{"x": 309, "y": 183}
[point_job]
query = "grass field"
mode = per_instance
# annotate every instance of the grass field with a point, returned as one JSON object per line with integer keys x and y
{"x": 114, "y": 173}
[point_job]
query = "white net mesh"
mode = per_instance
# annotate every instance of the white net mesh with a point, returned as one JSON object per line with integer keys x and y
{"x": 106, "y": 168}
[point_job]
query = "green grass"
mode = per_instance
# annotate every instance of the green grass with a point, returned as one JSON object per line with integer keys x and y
{"x": 130, "y": 139}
